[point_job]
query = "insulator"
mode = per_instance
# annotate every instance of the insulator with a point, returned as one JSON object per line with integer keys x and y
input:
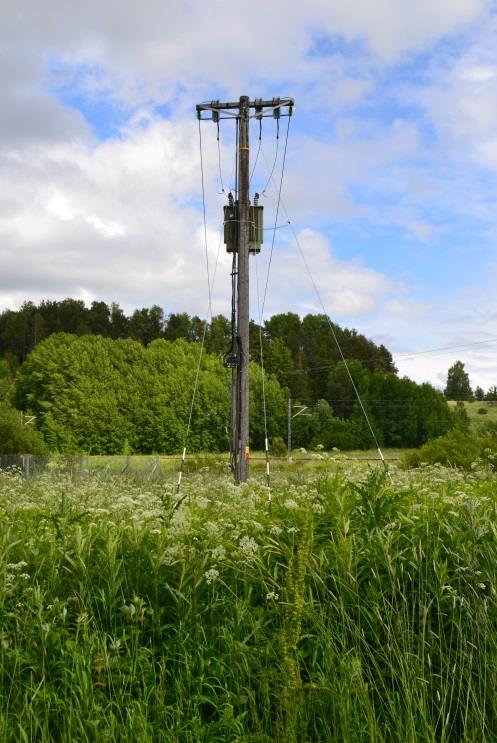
{"x": 215, "y": 116}
{"x": 230, "y": 199}
{"x": 258, "y": 108}
{"x": 276, "y": 112}
{"x": 256, "y": 199}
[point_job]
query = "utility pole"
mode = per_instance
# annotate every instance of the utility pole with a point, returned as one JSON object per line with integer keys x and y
{"x": 301, "y": 411}
{"x": 243, "y": 290}
{"x": 243, "y": 235}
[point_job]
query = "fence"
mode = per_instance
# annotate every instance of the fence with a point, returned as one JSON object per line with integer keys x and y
{"x": 164, "y": 467}
{"x": 80, "y": 466}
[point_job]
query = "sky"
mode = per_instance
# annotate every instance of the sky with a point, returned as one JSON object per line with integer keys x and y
{"x": 387, "y": 216}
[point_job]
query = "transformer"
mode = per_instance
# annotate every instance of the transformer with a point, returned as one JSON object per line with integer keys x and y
{"x": 232, "y": 221}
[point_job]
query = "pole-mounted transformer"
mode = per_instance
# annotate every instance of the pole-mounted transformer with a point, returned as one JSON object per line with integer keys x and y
{"x": 232, "y": 222}
{"x": 243, "y": 236}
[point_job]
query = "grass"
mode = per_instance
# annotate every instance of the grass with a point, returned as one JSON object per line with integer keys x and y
{"x": 358, "y": 607}
{"x": 472, "y": 408}
{"x": 153, "y": 467}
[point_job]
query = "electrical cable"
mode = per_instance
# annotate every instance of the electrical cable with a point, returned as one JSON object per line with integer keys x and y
{"x": 263, "y": 372}
{"x": 209, "y": 314}
{"x": 278, "y": 203}
{"x": 337, "y": 343}
{"x": 257, "y": 154}
{"x": 219, "y": 159}
{"x": 335, "y": 338}
{"x": 261, "y": 311}
{"x": 263, "y": 192}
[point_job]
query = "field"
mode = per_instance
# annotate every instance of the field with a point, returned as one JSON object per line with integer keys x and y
{"x": 356, "y": 605}
{"x": 474, "y": 409}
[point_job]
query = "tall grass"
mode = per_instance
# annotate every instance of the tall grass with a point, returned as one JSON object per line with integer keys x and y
{"x": 357, "y": 609}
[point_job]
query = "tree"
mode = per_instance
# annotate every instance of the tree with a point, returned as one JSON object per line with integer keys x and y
{"x": 479, "y": 394}
{"x": 491, "y": 394}
{"x": 91, "y": 393}
{"x": 16, "y": 438}
{"x": 458, "y": 386}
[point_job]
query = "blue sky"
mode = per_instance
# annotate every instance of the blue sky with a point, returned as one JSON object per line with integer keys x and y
{"x": 390, "y": 178}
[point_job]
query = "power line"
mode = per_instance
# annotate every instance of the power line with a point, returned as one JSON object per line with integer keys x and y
{"x": 445, "y": 348}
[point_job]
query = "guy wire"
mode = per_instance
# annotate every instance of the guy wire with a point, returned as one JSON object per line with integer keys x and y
{"x": 209, "y": 315}
{"x": 318, "y": 295}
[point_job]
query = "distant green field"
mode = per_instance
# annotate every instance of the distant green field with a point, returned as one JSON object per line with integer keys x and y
{"x": 475, "y": 410}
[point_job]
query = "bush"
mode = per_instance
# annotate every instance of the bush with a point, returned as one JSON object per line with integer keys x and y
{"x": 482, "y": 411}
{"x": 18, "y": 439}
{"x": 456, "y": 449}
{"x": 277, "y": 447}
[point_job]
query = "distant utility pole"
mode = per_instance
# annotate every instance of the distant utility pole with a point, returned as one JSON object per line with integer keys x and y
{"x": 244, "y": 224}
{"x": 301, "y": 411}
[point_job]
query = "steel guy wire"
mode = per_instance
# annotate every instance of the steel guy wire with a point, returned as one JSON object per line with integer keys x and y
{"x": 209, "y": 314}
{"x": 320, "y": 301}
{"x": 263, "y": 372}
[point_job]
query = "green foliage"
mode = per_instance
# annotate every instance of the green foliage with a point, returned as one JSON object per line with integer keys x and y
{"x": 278, "y": 447}
{"x": 461, "y": 417}
{"x": 91, "y": 395}
{"x": 402, "y": 413}
{"x": 458, "y": 386}
{"x": 6, "y": 382}
{"x": 355, "y": 609}
{"x": 16, "y": 438}
{"x": 458, "y": 448}
{"x": 97, "y": 395}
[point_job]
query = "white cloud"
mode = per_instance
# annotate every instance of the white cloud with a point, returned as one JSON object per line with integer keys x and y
{"x": 121, "y": 219}
{"x": 346, "y": 289}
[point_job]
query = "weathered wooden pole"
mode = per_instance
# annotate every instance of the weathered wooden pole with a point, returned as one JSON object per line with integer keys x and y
{"x": 243, "y": 290}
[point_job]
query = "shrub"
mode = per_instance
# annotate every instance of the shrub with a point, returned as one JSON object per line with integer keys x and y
{"x": 456, "y": 449}
{"x": 18, "y": 439}
{"x": 278, "y": 447}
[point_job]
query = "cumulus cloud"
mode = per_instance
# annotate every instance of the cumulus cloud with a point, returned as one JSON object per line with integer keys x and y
{"x": 307, "y": 271}
{"x": 375, "y": 148}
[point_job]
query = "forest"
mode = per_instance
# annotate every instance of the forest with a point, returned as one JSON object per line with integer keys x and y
{"x": 95, "y": 380}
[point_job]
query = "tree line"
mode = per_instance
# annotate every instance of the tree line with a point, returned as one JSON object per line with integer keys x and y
{"x": 99, "y": 381}
{"x": 298, "y": 352}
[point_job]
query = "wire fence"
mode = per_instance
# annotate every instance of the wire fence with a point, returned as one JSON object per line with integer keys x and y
{"x": 84, "y": 466}
{"x": 165, "y": 467}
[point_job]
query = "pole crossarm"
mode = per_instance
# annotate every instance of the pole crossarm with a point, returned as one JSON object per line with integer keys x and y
{"x": 259, "y": 105}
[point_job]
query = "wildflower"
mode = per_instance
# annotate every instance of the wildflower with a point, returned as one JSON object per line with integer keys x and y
{"x": 218, "y": 553}
{"x": 211, "y": 575}
{"x": 17, "y": 565}
{"x": 290, "y": 504}
{"x": 249, "y": 546}
{"x": 272, "y": 596}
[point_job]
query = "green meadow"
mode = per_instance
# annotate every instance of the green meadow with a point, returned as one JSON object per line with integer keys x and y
{"x": 348, "y": 603}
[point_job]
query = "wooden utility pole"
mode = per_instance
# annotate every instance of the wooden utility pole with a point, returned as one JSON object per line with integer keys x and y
{"x": 243, "y": 289}
{"x": 239, "y": 355}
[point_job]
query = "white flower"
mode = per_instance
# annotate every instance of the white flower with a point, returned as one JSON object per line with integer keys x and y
{"x": 249, "y": 546}
{"x": 211, "y": 575}
{"x": 218, "y": 553}
{"x": 272, "y": 596}
{"x": 290, "y": 504}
